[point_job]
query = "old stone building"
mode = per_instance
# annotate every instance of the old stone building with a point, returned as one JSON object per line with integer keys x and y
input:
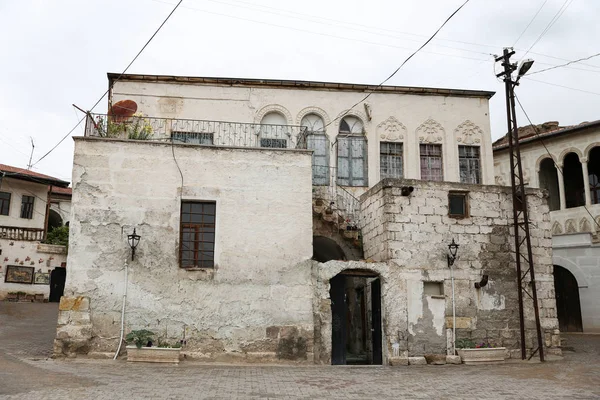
{"x": 566, "y": 162}
{"x": 276, "y": 239}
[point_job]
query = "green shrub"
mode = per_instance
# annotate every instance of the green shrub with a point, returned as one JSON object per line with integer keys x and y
{"x": 59, "y": 236}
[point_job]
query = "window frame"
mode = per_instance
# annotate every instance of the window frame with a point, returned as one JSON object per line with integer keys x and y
{"x": 27, "y": 206}
{"x": 189, "y": 225}
{"x": 429, "y": 158}
{"x": 315, "y": 137}
{"x": 469, "y": 160}
{"x": 391, "y": 156}
{"x": 465, "y": 195}
{"x": 353, "y": 181}
{"x": 5, "y": 203}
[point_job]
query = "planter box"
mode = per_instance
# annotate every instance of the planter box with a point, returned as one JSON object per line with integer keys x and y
{"x": 482, "y": 356}
{"x": 153, "y": 354}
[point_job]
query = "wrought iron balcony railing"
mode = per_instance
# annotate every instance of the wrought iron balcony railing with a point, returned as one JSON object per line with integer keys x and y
{"x": 15, "y": 233}
{"x": 219, "y": 133}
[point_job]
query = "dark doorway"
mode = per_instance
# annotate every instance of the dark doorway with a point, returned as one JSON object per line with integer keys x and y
{"x": 573, "y": 178}
{"x": 54, "y": 220}
{"x": 326, "y": 249}
{"x": 356, "y": 318}
{"x": 568, "y": 307}
{"x": 549, "y": 181}
{"x": 57, "y": 284}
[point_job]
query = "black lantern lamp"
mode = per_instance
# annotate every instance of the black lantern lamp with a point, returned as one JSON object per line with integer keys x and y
{"x": 453, "y": 249}
{"x": 133, "y": 241}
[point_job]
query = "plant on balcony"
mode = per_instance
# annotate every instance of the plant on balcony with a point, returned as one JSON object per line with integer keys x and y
{"x": 58, "y": 236}
{"x": 136, "y": 128}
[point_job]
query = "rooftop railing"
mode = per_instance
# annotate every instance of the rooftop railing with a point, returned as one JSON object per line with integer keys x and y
{"x": 218, "y": 133}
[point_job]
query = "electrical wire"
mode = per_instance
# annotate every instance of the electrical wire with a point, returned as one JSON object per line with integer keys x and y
{"x": 112, "y": 84}
{"x": 564, "y": 65}
{"x": 397, "y": 69}
{"x": 538, "y": 136}
{"x": 530, "y": 22}
{"x": 561, "y": 86}
{"x": 558, "y": 14}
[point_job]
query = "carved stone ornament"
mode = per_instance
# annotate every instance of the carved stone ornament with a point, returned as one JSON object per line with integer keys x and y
{"x": 500, "y": 180}
{"x": 391, "y": 129}
{"x": 570, "y": 226}
{"x": 468, "y": 133}
{"x": 430, "y": 131}
{"x": 584, "y": 225}
{"x": 556, "y": 229}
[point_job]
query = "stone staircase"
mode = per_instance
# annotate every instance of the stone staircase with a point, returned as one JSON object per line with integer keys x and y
{"x": 340, "y": 210}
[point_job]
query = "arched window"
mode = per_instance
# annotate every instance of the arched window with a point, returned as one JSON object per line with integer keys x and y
{"x": 549, "y": 181}
{"x": 573, "y": 179}
{"x": 316, "y": 140}
{"x": 351, "y": 153}
{"x": 274, "y": 131}
{"x": 594, "y": 174}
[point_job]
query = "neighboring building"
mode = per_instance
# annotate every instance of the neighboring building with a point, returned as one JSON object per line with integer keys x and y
{"x": 230, "y": 213}
{"x": 566, "y": 162}
{"x": 26, "y": 263}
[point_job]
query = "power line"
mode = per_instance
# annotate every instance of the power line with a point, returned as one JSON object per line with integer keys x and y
{"x": 112, "y": 84}
{"x": 561, "y": 86}
{"x": 564, "y": 65}
{"x": 530, "y": 22}
{"x": 558, "y": 14}
{"x": 398, "y": 69}
{"x": 538, "y": 136}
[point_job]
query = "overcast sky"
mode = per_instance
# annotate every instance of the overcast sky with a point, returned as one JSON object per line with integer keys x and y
{"x": 56, "y": 53}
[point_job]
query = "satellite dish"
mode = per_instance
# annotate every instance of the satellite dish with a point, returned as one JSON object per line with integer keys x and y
{"x": 122, "y": 110}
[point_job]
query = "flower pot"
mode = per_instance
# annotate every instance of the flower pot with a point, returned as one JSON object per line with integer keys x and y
{"x": 153, "y": 354}
{"x": 482, "y": 356}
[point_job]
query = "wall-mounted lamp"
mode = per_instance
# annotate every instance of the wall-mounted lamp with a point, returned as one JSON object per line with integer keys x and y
{"x": 406, "y": 190}
{"x": 482, "y": 282}
{"x": 133, "y": 241}
{"x": 453, "y": 249}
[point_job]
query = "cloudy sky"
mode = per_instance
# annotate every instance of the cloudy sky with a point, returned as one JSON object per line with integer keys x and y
{"x": 56, "y": 53}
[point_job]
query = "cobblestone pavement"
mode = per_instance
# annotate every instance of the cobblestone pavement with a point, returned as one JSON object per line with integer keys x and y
{"x": 26, "y": 333}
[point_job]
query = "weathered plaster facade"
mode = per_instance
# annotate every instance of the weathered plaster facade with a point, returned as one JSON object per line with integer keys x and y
{"x": 257, "y": 301}
{"x": 575, "y": 228}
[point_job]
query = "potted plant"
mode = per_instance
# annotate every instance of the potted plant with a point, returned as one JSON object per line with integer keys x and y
{"x": 21, "y": 296}
{"x": 12, "y": 296}
{"x": 473, "y": 353}
{"x": 144, "y": 351}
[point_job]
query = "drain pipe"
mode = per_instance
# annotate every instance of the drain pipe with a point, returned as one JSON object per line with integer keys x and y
{"x": 123, "y": 312}
{"x": 453, "y": 312}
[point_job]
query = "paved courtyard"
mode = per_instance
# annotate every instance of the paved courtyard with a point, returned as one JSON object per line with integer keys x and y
{"x": 26, "y": 372}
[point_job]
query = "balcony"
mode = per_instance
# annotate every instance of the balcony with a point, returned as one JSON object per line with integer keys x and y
{"x": 217, "y": 133}
{"x": 15, "y": 233}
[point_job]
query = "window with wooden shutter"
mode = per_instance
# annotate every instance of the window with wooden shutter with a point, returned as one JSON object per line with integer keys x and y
{"x": 197, "y": 230}
{"x": 27, "y": 206}
{"x": 4, "y": 203}
{"x": 431, "y": 162}
{"x": 317, "y": 141}
{"x": 469, "y": 164}
{"x": 351, "y": 153}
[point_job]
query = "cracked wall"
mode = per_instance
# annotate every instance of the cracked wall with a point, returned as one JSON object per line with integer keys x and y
{"x": 257, "y": 301}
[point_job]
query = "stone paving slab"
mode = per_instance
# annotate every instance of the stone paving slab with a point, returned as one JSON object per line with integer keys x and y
{"x": 28, "y": 375}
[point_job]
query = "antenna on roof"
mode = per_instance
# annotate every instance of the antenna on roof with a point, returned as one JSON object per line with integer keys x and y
{"x": 31, "y": 156}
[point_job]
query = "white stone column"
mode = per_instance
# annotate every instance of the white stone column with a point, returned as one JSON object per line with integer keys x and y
{"x": 586, "y": 181}
{"x": 561, "y": 187}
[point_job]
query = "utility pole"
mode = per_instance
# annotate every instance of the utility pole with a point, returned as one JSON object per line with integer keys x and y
{"x": 31, "y": 155}
{"x": 524, "y": 257}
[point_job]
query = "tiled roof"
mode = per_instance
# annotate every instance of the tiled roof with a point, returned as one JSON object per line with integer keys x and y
{"x": 32, "y": 176}
{"x": 62, "y": 190}
{"x": 530, "y": 133}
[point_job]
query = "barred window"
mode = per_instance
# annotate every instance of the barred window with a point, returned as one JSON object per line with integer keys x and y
{"x": 273, "y": 143}
{"x": 274, "y": 131}
{"x": 431, "y": 162}
{"x": 390, "y": 158}
{"x": 206, "y": 138}
{"x": 4, "y": 203}
{"x": 197, "y": 242}
{"x": 27, "y": 207}
{"x": 469, "y": 164}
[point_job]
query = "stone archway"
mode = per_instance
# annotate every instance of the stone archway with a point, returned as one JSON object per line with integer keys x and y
{"x": 54, "y": 220}
{"x": 568, "y": 305}
{"x": 326, "y": 249}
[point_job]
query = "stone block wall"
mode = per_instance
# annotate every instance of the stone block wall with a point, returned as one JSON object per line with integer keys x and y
{"x": 412, "y": 234}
